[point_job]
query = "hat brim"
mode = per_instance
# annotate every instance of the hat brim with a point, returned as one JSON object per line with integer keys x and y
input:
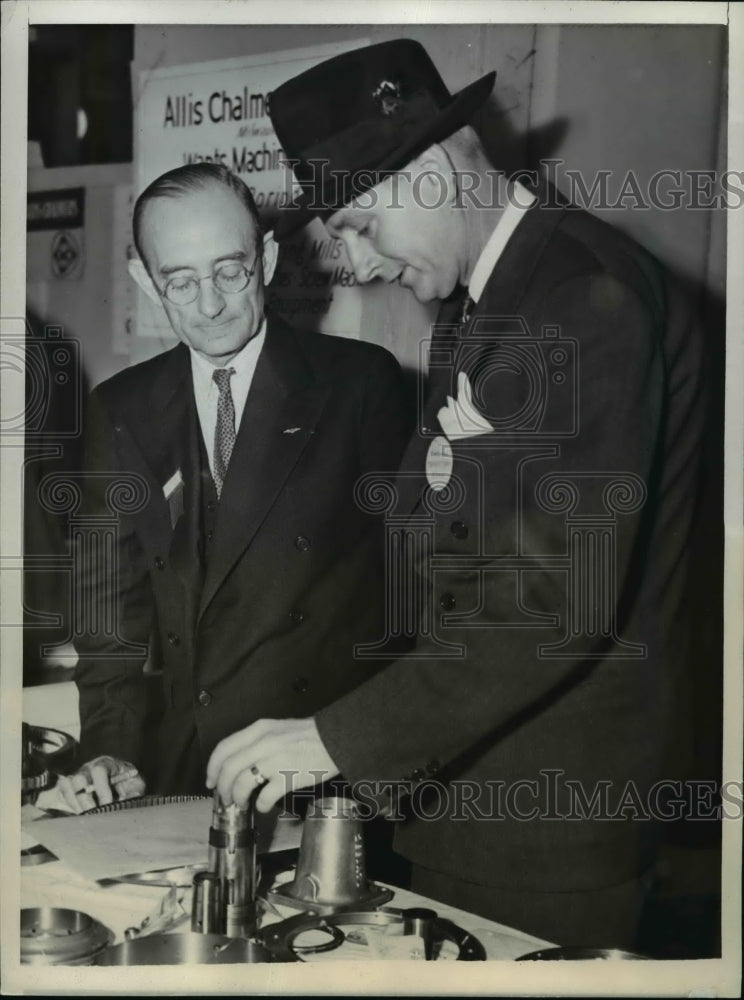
{"x": 449, "y": 119}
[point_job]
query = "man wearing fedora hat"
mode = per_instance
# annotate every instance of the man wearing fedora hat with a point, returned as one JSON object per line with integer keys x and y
{"x": 553, "y": 477}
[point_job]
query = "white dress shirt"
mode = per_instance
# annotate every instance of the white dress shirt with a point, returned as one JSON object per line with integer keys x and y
{"x": 460, "y": 418}
{"x": 519, "y": 202}
{"x": 206, "y": 392}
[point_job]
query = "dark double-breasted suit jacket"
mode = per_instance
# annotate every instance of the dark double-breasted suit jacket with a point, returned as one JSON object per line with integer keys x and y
{"x": 557, "y": 637}
{"x": 253, "y": 604}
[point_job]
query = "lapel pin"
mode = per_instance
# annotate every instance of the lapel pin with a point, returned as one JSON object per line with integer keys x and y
{"x": 291, "y": 430}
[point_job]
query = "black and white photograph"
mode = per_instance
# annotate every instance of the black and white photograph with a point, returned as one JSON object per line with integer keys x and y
{"x": 371, "y": 453}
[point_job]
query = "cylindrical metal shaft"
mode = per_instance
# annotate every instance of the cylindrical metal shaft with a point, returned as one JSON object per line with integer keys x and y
{"x": 232, "y": 858}
{"x": 206, "y": 905}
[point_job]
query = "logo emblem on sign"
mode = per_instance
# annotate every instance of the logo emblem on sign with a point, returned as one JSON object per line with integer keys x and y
{"x": 65, "y": 254}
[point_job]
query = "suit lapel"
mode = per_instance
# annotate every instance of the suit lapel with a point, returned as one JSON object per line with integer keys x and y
{"x": 157, "y": 426}
{"x": 281, "y": 412}
{"x": 168, "y": 443}
{"x": 183, "y": 552}
{"x": 500, "y": 298}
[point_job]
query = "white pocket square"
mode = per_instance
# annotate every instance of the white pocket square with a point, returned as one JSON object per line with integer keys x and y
{"x": 459, "y": 418}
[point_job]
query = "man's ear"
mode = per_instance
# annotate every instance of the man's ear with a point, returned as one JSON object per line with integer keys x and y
{"x": 138, "y": 271}
{"x": 438, "y": 170}
{"x": 270, "y": 256}
{"x": 434, "y": 158}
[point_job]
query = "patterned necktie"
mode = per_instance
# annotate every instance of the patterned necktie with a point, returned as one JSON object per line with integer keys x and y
{"x": 224, "y": 430}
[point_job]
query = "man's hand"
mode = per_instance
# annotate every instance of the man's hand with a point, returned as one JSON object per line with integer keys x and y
{"x": 106, "y": 778}
{"x": 281, "y": 755}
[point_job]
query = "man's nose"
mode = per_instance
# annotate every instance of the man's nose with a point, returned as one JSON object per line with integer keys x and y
{"x": 211, "y": 301}
{"x": 364, "y": 261}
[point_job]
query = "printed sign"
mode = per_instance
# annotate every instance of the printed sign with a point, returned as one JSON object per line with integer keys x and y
{"x": 217, "y": 112}
{"x": 55, "y": 209}
{"x": 56, "y": 235}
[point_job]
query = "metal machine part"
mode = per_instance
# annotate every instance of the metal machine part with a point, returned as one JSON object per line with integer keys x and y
{"x": 35, "y": 774}
{"x": 376, "y": 895}
{"x": 331, "y": 873}
{"x": 576, "y": 953}
{"x": 36, "y": 855}
{"x": 206, "y": 903}
{"x": 420, "y": 922}
{"x": 54, "y": 936}
{"x": 182, "y": 877}
{"x": 52, "y": 743}
{"x": 145, "y": 800}
{"x": 279, "y": 938}
{"x": 186, "y": 949}
{"x": 167, "y": 914}
{"x": 41, "y": 749}
{"x": 335, "y": 940}
{"x": 232, "y": 858}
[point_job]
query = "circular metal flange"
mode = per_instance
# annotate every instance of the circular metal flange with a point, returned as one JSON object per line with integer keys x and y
{"x": 377, "y": 895}
{"x": 577, "y": 953}
{"x": 52, "y": 743}
{"x": 279, "y": 938}
{"x": 52, "y": 935}
{"x": 187, "y": 949}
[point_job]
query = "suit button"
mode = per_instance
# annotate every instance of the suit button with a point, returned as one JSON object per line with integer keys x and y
{"x": 418, "y": 774}
{"x": 459, "y": 529}
{"x": 300, "y": 685}
{"x": 205, "y": 698}
{"x": 210, "y": 536}
{"x": 159, "y": 564}
{"x": 211, "y": 506}
{"x": 447, "y": 601}
{"x": 296, "y": 616}
{"x": 302, "y": 544}
{"x": 433, "y": 766}
{"x": 174, "y": 639}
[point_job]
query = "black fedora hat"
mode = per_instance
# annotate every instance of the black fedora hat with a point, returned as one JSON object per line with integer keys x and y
{"x": 350, "y": 121}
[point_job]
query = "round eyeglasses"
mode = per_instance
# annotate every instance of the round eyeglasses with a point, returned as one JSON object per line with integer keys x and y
{"x": 229, "y": 279}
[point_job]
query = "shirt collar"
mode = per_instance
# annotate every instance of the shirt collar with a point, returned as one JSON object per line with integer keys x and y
{"x": 244, "y": 361}
{"x": 518, "y": 202}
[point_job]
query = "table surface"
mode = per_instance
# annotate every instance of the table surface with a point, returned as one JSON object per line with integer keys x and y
{"x": 123, "y": 905}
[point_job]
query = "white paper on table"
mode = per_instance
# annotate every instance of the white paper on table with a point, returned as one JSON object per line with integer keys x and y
{"x": 148, "y": 838}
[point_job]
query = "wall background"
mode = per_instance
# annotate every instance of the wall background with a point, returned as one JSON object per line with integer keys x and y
{"x": 612, "y": 98}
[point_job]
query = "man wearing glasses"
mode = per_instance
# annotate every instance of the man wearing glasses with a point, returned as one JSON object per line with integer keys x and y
{"x": 245, "y": 442}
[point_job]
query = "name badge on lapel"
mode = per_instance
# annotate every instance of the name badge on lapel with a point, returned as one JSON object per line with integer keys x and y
{"x": 173, "y": 493}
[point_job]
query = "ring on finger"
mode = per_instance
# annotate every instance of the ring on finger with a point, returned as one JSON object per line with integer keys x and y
{"x": 257, "y": 776}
